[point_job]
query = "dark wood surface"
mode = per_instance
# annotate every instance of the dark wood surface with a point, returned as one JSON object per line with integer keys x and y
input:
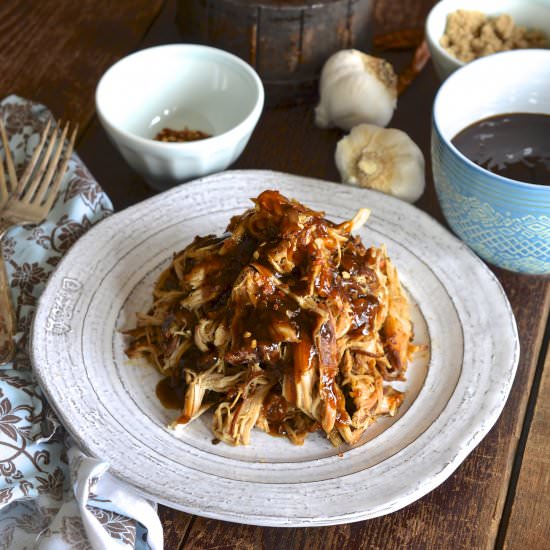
{"x": 55, "y": 52}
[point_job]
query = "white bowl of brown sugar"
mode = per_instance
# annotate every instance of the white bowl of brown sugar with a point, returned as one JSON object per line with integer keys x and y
{"x": 459, "y": 31}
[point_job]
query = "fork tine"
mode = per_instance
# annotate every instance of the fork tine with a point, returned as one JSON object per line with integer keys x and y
{"x": 27, "y": 195}
{"x": 53, "y": 164}
{"x": 4, "y": 194}
{"x": 9, "y": 159}
{"x": 67, "y": 155}
{"x": 35, "y": 156}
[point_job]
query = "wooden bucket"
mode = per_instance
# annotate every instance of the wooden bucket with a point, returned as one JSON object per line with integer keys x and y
{"x": 287, "y": 42}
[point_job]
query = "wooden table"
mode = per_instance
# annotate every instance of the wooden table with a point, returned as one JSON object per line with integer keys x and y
{"x": 55, "y": 51}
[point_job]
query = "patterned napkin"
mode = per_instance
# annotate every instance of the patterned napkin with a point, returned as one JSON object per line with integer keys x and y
{"x": 51, "y": 495}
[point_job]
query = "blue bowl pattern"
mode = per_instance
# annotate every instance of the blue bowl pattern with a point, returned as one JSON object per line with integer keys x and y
{"x": 505, "y": 222}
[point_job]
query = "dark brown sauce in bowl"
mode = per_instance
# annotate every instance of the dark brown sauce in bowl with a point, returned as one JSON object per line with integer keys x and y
{"x": 512, "y": 145}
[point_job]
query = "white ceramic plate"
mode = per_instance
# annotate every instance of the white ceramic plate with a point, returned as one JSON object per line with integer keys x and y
{"x": 455, "y": 391}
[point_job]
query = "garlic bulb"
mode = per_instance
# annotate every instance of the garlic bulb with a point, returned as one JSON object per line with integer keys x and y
{"x": 355, "y": 88}
{"x": 384, "y": 159}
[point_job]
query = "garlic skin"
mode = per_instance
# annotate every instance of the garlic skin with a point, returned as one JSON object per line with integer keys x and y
{"x": 355, "y": 88}
{"x": 384, "y": 159}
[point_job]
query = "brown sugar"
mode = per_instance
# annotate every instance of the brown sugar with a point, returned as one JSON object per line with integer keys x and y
{"x": 472, "y": 34}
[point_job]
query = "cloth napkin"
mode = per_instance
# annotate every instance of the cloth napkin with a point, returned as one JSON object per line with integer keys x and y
{"x": 52, "y": 496}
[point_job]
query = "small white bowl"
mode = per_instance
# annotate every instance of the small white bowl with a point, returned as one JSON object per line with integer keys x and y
{"x": 526, "y": 13}
{"x": 177, "y": 86}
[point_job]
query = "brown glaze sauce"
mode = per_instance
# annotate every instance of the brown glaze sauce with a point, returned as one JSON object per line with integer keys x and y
{"x": 170, "y": 395}
{"x": 259, "y": 331}
{"x": 275, "y": 409}
{"x": 512, "y": 145}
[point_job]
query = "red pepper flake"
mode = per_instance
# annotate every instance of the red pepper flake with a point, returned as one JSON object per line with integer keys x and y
{"x": 169, "y": 135}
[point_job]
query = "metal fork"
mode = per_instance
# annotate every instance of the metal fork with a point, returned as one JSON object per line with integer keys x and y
{"x": 28, "y": 201}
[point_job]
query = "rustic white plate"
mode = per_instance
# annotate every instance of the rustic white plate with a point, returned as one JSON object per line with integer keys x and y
{"x": 455, "y": 391}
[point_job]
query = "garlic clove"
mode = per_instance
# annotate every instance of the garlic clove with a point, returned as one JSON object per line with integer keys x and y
{"x": 356, "y": 88}
{"x": 385, "y": 159}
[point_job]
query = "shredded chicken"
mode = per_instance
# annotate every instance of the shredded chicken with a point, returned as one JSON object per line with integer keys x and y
{"x": 286, "y": 322}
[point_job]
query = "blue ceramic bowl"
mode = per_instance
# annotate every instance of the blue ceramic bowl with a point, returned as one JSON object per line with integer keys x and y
{"x": 506, "y": 222}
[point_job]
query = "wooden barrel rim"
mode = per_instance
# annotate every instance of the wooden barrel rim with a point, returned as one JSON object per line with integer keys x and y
{"x": 286, "y": 4}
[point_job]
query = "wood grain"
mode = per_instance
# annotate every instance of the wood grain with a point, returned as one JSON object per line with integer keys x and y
{"x": 529, "y": 522}
{"x": 176, "y": 525}
{"x": 55, "y": 52}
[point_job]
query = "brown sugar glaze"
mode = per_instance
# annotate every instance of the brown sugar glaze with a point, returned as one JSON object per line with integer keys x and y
{"x": 512, "y": 145}
{"x": 255, "y": 329}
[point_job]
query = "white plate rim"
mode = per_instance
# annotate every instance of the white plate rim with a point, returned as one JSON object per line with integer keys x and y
{"x": 451, "y": 457}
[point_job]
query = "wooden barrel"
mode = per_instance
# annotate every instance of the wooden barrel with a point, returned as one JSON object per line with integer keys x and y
{"x": 287, "y": 42}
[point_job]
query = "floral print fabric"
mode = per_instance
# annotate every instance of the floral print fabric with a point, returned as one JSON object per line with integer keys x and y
{"x": 51, "y": 495}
